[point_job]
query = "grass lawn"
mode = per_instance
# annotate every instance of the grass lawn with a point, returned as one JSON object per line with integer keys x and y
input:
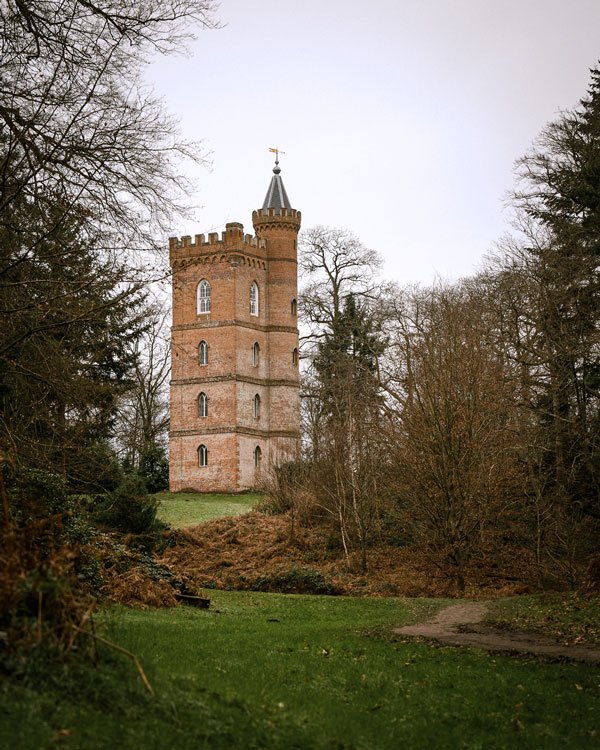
{"x": 571, "y": 617}
{"x": 274, "y": 671}
{"x": 189, "y": 508}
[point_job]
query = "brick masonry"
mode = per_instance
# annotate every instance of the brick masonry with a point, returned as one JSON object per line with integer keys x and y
{"x": 233, "y": 428}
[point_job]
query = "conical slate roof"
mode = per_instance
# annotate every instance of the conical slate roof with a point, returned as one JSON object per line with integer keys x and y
{"x": 276, "y": 196}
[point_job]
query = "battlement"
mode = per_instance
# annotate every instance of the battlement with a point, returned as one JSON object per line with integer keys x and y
{"x": 233, "y": 235}
{"x": 277, "y": 213}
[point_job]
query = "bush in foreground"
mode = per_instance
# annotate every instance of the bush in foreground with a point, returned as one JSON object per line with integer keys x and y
{"x": 129, "y": 508}
{"x": 43, "y": 605}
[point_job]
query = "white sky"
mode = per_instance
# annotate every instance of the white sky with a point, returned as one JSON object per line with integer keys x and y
{"x": 401, "y": 119}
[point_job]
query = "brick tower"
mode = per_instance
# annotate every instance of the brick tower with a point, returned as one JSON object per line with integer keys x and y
{"x": 234, "y": 350}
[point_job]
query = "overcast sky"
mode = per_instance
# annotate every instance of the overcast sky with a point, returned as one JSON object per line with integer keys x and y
{"x": 401, "y": 119}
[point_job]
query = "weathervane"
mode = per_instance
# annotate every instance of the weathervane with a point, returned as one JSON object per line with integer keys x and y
{"x": 276, "y": 151}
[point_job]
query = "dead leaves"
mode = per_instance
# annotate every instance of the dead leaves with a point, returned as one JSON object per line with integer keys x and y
{"x": 232, "y": 553}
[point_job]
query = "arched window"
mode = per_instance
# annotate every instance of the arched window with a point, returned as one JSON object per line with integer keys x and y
{"x": 203, "y": 297}
{"x": 203, "y": 353}
{"x": 257, "y": 457}
{"x": 294, "y": 307}
{"x": 256, "y": 406}
{"x": 255, "y": 354}
{"x": 254, "y": 298}
{"x": 203, "y": 405}
{"x": 202, "y": 455}
{"x": 295, "y": 356}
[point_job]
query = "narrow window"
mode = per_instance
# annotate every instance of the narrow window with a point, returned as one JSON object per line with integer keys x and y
{"x": 202, "y": 455}
{"x": 203, "y": 297}
{"x": 295, "y": 356}
{"x": 294, "y": 308}
{"x": 254, "y": 298}
{"x": 203, "y": 405}
{"x": 256, "y": 406}
{"x": 255, "y": 354}
{"x": 203, "y": 353}
{"x": 257, "y": 457}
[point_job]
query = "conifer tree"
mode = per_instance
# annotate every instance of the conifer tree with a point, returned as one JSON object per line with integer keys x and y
{"x": 350, "y": 465}
{"x": 88, "y": 184}
{"x": 559, "y": 198}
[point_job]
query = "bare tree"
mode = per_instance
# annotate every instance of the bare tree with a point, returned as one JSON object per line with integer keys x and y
{"x": 456, "y": 466}
{"x": 333, "y": 264}
{"x": 348, "y": 454}
{"x": 542, "y": 295}
{"x": 143, "y": 420}
{"x": 77, "y": 120}
{"x": 83, "y": 140}
{"x": 89, "y": 178}
{"x": 341, "y": 405}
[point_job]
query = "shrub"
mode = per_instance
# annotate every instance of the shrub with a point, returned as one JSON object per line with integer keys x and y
{"x": 42, "y": 604}
{"x": 295, "y": 581}
{"x": 34, "y": 493}
{"x": 94, "y": 468}
{"x": 154, "y": 468}
{"x": 129, "y": 508}
{"x": 283, "y": 486}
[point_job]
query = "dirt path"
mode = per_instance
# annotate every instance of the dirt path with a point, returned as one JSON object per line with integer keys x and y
{"x": 462, "y": 625}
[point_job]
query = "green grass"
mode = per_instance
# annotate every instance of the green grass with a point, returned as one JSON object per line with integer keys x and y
{"x": 274, "y": 671}
{"x": 570, "y": 617}
{"x": 189, "y": 508}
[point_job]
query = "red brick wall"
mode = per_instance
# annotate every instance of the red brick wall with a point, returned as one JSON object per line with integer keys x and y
{"x": 231, "y": 432}
{"x": 220, "y": 475}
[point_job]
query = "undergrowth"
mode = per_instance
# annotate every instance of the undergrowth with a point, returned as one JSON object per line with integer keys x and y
{"x": 295, "y": 581}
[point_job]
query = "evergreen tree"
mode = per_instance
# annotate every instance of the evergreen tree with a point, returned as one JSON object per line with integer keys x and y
{"x": 154, "y": 468}
{"x": 88, "y": 184}
{"x": 561, "y": 175}
{"x": 65, "y": 346}
{"x": 349, "y": 469}
{"x": 347, "y": 359}
{"x": 560, "y": 193}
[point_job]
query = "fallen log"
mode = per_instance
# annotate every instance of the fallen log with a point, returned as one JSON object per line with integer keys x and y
{"x": 193, "y": 601}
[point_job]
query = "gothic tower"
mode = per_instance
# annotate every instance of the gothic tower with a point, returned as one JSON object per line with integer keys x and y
{"x": 234, "y": 349}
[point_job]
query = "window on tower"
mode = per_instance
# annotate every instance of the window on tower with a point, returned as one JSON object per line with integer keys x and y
{"x": 202, "y": 455}
{"x": 203, "y": 405}
{"x": 255, "y": 354}
{"x": 254, "y": 298}
{"x": 203, "y": 353}
{"x": 294, "y": 356}
{"x": 256, "y": 406}
{"x": 294, "y": 308}
{"x": 257, "y": 457}
{"x": 203, "y": 297}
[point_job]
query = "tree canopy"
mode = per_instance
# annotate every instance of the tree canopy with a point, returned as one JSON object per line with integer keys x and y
{"x": 89, "y": 180}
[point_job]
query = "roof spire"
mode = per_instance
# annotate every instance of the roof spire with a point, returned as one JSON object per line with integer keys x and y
{"x": 276, "y": 196}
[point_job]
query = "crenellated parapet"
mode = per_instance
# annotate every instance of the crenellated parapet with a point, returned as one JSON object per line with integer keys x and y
{"x": 231, "y": 240}
{"x": 282, "y": 218}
